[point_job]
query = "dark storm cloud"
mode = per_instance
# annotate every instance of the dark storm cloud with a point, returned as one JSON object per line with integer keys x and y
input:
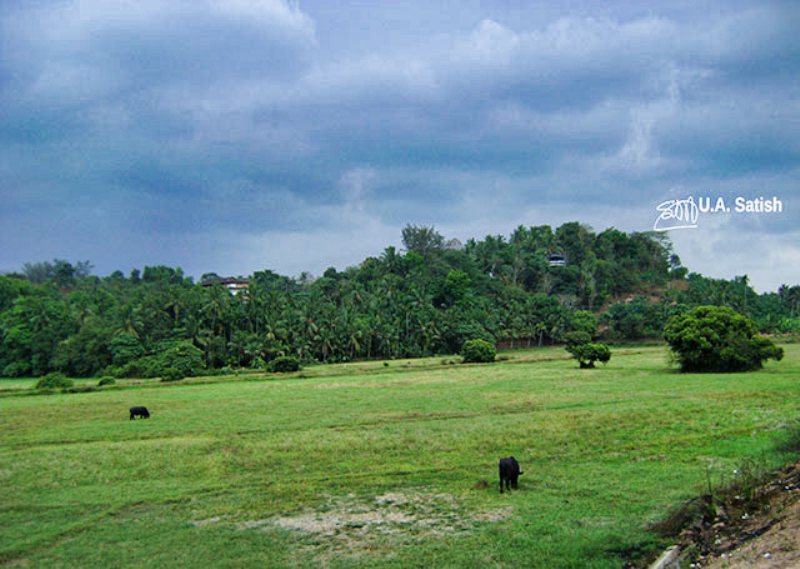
{"x": 245, "y": 134}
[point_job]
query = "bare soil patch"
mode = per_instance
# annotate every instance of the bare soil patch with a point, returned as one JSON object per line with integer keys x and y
{"x": 754, "y": 528}
{"x": 777, "y": 548}
{"x": 355, "y": 526}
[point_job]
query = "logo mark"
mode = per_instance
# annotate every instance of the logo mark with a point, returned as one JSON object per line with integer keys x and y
{"x": 676, "y": 214}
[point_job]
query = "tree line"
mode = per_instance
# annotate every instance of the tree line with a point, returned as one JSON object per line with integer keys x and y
{"x": 427, "y": 299}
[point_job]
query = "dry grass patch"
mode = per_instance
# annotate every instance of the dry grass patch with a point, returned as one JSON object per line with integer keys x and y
{"x": 356, "y": 526}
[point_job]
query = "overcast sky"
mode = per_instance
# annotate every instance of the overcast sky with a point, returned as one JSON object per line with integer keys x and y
{"x": 235, "y": 136}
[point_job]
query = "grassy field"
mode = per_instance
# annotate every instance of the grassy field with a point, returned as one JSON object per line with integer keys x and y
{"x": 365, "y": 464}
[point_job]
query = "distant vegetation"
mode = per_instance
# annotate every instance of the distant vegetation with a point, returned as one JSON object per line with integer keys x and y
{"x": 426, "y": 300}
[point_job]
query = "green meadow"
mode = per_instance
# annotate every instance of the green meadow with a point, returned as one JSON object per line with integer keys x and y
{"x": 389, "y": 465}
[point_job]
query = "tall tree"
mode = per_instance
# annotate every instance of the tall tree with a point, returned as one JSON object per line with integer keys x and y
{"x": 422, "y": 239}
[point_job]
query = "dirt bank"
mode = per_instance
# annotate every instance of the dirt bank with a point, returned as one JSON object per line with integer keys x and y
{"x": 748, "y": 526}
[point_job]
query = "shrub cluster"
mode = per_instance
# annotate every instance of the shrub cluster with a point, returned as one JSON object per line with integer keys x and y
{"x": 54, "y": 380}
{"x": 284, "y": 364}
{"x": 478, "y": 351}
{"x": 173, "y": 361}
{"x": 580, "y": 345}
{"x": 172, "y": 374}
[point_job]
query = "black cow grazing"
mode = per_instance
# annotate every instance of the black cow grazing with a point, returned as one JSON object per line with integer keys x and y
{"x": 509, "y": 473}
{"x": 140, "y": 411}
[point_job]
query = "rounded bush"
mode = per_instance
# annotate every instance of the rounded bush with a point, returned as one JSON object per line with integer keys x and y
{"x": 587, "y": 354}
{"x": 718, "y": 339}
{"x": 478, "y": 351}
{"x": 106, "y": 381}
{"x": 54, "y": 380}
{"x": 284, "y": 364}
{"x": 172, "y": 374}
{"x": 577, "y": 338}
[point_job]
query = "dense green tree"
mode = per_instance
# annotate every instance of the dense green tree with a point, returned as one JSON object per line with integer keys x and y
{"x": 38, "y": 273}
{"x": 588, "y": 353}
{"x": 637, "y": 318}
{"x": 790, "y": 299}
{"x": 583, "y": 321}
{"x": 31, "y": 330}
{"x": 63, "y": 273}
{"x": 422, "y": 239}
{"x": 575, "y": 240}
{"x": 124, "y": 348}
{"x": 84, "y": 353}
{"x": 10, "y": 289}
{"x": 718, "y": 339}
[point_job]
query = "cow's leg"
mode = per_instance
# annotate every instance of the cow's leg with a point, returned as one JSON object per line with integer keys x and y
{"x": 131, "y": 416}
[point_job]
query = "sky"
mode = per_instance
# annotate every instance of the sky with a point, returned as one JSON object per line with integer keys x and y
{"x": 243, "y": 135}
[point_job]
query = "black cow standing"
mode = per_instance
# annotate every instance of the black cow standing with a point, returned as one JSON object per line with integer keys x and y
{"x": 140, "y": 411}
{"x": 509, "y": 473}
